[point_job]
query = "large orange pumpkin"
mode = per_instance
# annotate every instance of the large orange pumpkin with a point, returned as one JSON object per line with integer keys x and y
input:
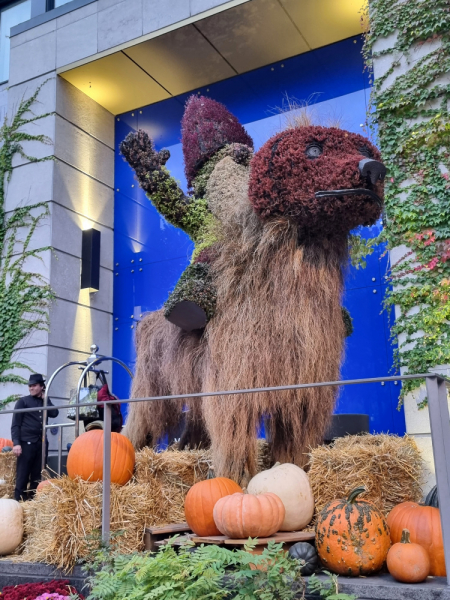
{"x": 352, "y": 536}
{"x": 407, "y": 562}
{"x": 200, "y": 501}
{"x": 249, "y": 515}
{"x": 85, "y": 459}
{"x": 424, "y": 525}
{"x": 5, "y": 442}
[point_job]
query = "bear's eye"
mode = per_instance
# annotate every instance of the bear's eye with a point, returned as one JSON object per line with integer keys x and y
{"x": 365, "y": 151}
{"x": 314, "y": 150}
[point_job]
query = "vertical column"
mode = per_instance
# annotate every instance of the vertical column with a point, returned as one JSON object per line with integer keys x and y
{"x": 440, "y": 436}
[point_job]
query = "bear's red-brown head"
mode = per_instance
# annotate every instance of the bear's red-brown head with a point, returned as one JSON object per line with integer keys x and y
{"x": 325, "y": 179}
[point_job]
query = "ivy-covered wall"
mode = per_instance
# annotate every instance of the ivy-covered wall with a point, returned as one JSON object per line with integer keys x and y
{"x": 408, "y": 45}
{"x": 25, "y": 295}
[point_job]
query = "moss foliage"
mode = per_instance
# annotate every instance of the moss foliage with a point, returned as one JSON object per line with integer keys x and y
{"x": 196, "y": 285}
{"x": 413, "y": 121}
{"x": 240, "y": 153}
{"x": 191, "y": 214}
{"x": 24, "y": 294}
{"x": 283, "y": 162}
{"x": 348, "y": 322}
{"x": 206, "y": 127}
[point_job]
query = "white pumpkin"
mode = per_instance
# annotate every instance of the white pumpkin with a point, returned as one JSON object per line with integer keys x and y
{"x": 291, "y": 485}
{"x": 11, "y": 525}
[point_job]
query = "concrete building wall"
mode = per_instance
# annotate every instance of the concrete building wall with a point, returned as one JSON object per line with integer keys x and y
{"x": 417, "y": 419}
{"x": 78, "y": 184}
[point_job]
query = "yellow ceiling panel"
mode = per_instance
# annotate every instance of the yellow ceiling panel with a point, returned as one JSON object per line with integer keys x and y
{"x": 181, "y": 60}
{"x": 323, "y": 22}
{"x": 116, "y": 83}
{"x": 254, "y": 34}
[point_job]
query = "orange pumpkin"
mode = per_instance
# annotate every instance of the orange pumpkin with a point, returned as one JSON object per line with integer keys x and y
{"x": 407, "y": 562}
{"x": 249, "y": 515}
{"x": 352, "y": 536}
{"x": 5, "y": 442}
{"x": 85, "y": 459}
{"x": 200, "y": 501}
{"x": 424, "y": 525}
{"x": 45, "y": 483}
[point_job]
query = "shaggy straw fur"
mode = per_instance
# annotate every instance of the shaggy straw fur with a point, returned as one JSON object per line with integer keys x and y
{"x": 7, "y": 474}
{"x": 278, "y": 322}
{"x": 167, "y": 363}
{"x": 389, "y": 467}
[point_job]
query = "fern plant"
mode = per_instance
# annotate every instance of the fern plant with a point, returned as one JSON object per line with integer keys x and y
{"x": 210, "y": 572}
{"x": 328, "y": 589}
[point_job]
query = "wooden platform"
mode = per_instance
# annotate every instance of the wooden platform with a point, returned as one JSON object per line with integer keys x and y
{"x": 156, "y": 536}
{"x": 287, "y": 538}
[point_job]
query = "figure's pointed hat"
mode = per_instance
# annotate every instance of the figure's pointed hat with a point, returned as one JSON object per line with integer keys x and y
{"x": 206, "y": 127}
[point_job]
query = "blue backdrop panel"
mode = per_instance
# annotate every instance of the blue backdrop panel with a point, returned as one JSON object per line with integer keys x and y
{"x": 150, "y": 254}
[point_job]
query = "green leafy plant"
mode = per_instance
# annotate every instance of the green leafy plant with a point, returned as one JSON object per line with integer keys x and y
{"x": 209, "y": 572}
{"x": 328, "y": 589}
{"x": 411, "y": 116}
{"x": 24, "y": 294}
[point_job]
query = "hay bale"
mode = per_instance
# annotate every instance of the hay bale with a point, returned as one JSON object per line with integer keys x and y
{"x": 8, "y": 463}
{"x": 390, "y": 467}
{"x": 62, "y": 523}
{"x": 181, "y": 468}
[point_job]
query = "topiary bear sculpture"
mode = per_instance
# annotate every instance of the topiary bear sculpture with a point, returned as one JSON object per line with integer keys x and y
{"x": 271, "y": 251}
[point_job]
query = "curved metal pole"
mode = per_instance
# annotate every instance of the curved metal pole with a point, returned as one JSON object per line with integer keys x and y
{"x": 106, "y": 492}
{"x": 44, "y": 413}
{"x": 88, "y": 368}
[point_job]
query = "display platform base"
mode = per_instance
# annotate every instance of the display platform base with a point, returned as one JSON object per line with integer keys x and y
{"x": 13, "y": 573}
{"x": 384, "y": 587}
{"x": 377, "y": 587}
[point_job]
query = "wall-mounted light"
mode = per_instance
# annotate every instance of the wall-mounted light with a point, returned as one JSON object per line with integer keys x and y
{"x": 90, "y": 260}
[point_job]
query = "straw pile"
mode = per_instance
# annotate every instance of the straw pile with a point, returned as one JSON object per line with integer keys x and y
{"x": 172, "y": 472}
{"x": 390, "y": 468}
{"x": 62, "y": 521}
{"x": 7, "y": 474}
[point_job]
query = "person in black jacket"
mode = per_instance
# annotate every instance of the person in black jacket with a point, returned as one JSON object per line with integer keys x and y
{"x": 26, "y": 434}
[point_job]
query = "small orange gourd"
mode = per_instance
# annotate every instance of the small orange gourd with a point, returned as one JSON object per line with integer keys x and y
{"x": 424, "y": 526}
{"x": 5, "y": 442}
{"x": 407, "y": 562}
{"x": 352, "y": 536}
{"x": 249, "y": 515}
{"x": 85, "y": 459}
{"x": 45, "y": 483}
{"x": 200, "y": 501}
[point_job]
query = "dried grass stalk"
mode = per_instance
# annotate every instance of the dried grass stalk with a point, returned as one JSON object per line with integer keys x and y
{"x": 8, "y": 464}
{"x": 390, "y": 467}
{"x": 61, "y": 521}
{"x": 278, "y": 322}
{"x": 167, "y": 363}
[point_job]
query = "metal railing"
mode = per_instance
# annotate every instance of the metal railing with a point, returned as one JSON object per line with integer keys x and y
{"x": 436, "y": 386}
{"x": 86, "y": 367}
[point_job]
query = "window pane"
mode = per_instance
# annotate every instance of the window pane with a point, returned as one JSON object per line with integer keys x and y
{"x": 10, "y": 17}
{"x": 61, "y": 2}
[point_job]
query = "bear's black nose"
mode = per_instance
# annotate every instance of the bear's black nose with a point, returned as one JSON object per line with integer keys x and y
{"x": 372, "y": 169}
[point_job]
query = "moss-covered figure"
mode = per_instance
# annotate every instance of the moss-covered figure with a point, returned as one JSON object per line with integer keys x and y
{"x": 210, "y": 133}
{"x": 272, "y": 234}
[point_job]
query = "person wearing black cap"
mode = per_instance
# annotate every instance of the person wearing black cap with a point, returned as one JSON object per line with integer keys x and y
{"x": 26, "y": 434}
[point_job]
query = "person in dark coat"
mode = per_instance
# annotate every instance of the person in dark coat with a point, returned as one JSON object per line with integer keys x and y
{"x": 26, "y": 434}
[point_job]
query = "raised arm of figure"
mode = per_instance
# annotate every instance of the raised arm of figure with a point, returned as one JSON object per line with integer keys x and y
{"x": 154, "y": 178}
